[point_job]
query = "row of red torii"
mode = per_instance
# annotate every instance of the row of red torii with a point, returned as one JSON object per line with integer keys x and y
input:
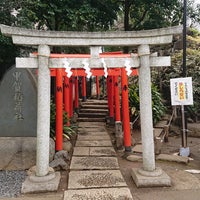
{"x": 88, "y": 65}
{"x": 67, "y": 90}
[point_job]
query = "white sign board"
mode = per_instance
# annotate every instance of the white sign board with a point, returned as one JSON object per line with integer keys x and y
{"x": 181, "y": 91}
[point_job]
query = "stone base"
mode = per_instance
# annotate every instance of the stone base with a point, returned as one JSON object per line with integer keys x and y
{"x": 112, "y": 121}
{"x": 157, "y": 178}
{"x": 47, "y": 183}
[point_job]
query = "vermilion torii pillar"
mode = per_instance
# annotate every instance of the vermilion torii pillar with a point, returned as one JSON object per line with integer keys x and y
{"x": 125, "y": 111}
{"x": 118, "y": 123}
{"x": 117, "y": 100}
{"x": 97, "y": 87}
{"x": 59, "y": 109}
{"x": 110, "y": 93}
{"x": 84, "y": 89}
{"x": 67, "y": 98}
{"x": 76, "y": 104}
{"x": 71, "y": 97}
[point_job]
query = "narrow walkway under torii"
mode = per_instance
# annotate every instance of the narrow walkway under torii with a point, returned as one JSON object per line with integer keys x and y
{"x": 148, "y": 174}
{"x": 94, "y": 170}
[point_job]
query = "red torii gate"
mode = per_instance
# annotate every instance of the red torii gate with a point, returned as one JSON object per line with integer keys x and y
{"x": 67, "y": 86}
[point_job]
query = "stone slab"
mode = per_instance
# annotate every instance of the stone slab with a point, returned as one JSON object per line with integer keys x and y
{"x": 18, "y": 113}
{"x": 100, "y": 129}
{"x": 183, "y": 180}
{"x": 101, "y": 143}
{"x": 150, "y": 181}
{"x": 83, "y": 163}
{"x": 91, "y": 124}
{"x": 157, "y": 131}
{"x": 92, "y": 137}
{"x": 134, "y": 158}
{"x": 94, "y": 151}
{"x": 173, "y": 158}
{"x": 81, "y": 151}
{"x": 102, "y": 151}
{"x": 39, "y": 196}
{"x": 99, "y": 194}
{"x": 93, "y": 133}
{"x": 95, "y": 179}
{"x": 51, "y": 185}
{"x": 137, "y": 148}
{"x": 92, "y": 129}
{"x": 161, "y": 124}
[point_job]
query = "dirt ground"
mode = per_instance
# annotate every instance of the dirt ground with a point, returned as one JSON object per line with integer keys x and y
{"x": 170, "y": 147}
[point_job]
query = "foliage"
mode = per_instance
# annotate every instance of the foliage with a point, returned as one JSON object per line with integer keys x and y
{"x": 158, "y": 108}
{"x": 73, "y": 15}
{"x": 67, "y": 131}
{"x": 8, "y": 51}
{"x": 149, "y": 14}
{"x": 175, "y": 71}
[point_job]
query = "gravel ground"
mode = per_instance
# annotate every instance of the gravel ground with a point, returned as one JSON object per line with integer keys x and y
{"x": 11, "y": 182}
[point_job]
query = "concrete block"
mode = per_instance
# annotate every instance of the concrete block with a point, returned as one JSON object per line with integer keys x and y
{"x": 151, "y": 179}
{"x": 95, "y": 179}
{"x": 47, "y": 183}
{"x": 97, "y": 194}
{"x": 137, "y": 148}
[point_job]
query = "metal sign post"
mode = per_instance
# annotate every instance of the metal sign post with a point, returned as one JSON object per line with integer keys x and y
{"x": 181, "y": 94}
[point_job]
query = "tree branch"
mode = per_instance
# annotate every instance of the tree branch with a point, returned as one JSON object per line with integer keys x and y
{"x": 141, "y": 19}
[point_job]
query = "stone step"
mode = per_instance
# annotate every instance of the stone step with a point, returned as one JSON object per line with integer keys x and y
{"x": 86, "y": 119}
{"x": 99, "y": 194}
{"x": 92, "y": 125}
{"x": 92, "y": 106}
{"x": 93, "y": 137}
{"x": 92, "y": 110}
{"x": 106, "y": 143}
{"x": 92, "y": 133}
{"x": 92, "y": 115}
{"x": 95, "y": 102}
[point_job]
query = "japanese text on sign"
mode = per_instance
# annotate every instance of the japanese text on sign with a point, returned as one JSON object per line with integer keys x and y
{"x": 18, "y": 96}
{"x": 181, "y": 91}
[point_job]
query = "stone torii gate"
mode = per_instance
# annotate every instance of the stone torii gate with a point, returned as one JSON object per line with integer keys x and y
{"x": 148, "y": 175}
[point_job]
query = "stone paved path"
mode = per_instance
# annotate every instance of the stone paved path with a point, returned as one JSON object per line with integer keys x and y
{"x": 94, "y": 170}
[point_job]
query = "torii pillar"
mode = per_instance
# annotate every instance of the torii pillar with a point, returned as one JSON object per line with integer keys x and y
{"x": 43, "y": 110}
{"x": 149, "y": 175}
{"x": 43, "y": 173}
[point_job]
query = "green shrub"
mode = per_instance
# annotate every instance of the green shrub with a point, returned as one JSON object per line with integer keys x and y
{"x": 175, "y": 71}
{"x": 67, "y": 131}
{"x": 158, "y": 108}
